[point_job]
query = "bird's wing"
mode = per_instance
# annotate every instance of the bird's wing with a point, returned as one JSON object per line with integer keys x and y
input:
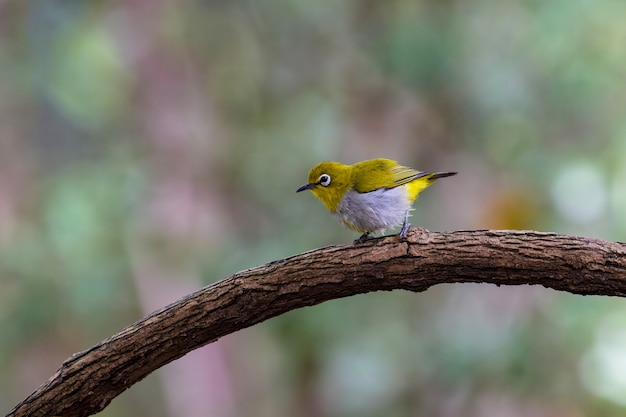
{"x": 380, "y": 173}
{"x": 404, "y": 175}
{"x": 368, "y": 176}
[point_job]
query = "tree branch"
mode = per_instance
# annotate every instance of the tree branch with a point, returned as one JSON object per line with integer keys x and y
{"x": 89, "y": 380}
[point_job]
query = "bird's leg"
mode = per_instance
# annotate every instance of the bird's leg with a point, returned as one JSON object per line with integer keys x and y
{"x": 405, "y": 225}
{"x": 365, "y": 236}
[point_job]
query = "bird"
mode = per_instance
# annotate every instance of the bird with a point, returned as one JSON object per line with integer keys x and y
{"x": 369, "y": 196}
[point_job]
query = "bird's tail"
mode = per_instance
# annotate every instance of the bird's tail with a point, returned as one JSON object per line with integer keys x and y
{"x": 437, "y": 175}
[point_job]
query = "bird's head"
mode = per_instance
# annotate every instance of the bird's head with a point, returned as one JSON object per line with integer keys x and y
{"x": 329, "y": 182}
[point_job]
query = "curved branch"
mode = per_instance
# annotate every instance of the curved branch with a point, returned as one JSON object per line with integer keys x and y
{"x": 89, "y": 380}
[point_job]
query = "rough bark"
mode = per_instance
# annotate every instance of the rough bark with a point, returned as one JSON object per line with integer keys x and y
{"x": 89, "y": 380}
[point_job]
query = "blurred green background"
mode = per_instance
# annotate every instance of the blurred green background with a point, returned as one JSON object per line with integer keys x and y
{"x": 148, "y": 148}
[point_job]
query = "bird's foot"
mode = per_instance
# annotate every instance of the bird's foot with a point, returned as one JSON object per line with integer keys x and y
{"x": 362, "y": 238}
{"x": 405, "y": 228}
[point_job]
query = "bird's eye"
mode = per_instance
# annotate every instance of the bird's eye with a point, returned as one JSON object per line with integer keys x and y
{"x": 324, "y": 180}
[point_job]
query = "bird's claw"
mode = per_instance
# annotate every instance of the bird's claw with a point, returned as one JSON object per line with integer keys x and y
{"x": 405, "y": 229}
{"x": 405, "y": 226}
{"x": 362, "y": 238}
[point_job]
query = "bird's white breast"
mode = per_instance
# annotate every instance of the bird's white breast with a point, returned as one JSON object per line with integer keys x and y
{"x": 375, "y": 211}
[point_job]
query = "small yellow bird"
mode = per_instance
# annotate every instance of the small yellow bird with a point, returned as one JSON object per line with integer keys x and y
{"x": 369, "y": 196}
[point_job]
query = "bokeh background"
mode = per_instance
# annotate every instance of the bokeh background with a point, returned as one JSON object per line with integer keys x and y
{"x": 149, "y": 148}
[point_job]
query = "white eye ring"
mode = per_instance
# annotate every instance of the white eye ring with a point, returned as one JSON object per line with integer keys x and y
{"x": 324, "y": 180}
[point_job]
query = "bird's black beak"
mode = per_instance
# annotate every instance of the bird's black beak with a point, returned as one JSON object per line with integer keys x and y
{"x": 306, "y": 187}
